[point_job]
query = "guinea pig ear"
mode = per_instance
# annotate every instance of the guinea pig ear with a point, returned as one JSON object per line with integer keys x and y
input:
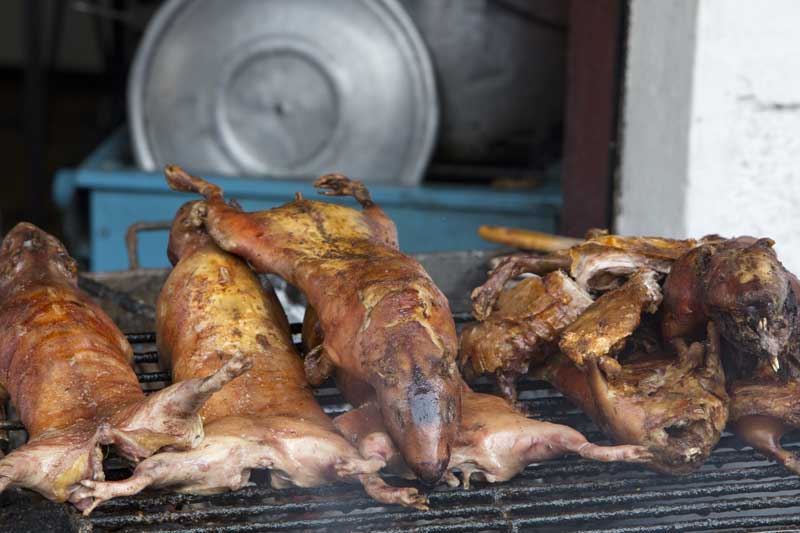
{"x": 197, "y": 215}
{"x": 704, "y": 254}
{"x": 763, "y": 242}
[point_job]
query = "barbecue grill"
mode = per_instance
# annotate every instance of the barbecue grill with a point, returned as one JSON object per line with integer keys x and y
{"x": 736, "y": 490}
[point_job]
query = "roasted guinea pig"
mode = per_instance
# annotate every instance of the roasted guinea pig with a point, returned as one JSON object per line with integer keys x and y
{"x": 674, "y": 405}
{"x": 752, "y": 299}
{"x": 522, "y": 330}
{"x": 636, "y": 391}
{"x": 384, "y": 319}
{"x": 67, "y": 369}
{"x": 212, "y": 304}
{"x": 493, "y": 442}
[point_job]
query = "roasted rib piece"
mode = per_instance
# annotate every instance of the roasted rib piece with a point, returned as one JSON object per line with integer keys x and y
{"x": 522, "y": 330}
{"x": 384, "y": 319}
{"x": 211, "y": 304}
{"x": 493, "y": 441}
{"x": 604, "y": 261}
{"x": 67, "y": 369}
{"x": 600, "y": 263}
{"x": 753, "y": 300}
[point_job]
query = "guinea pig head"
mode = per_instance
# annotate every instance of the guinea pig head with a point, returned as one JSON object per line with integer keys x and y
{"x": 749, "y": 296}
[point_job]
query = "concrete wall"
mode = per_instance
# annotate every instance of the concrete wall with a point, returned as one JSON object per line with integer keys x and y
{"x": 658, "y": 91}
{"x": 712, "y": 121}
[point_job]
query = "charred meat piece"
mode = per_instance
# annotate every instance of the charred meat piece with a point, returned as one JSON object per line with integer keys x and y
{"x": 67, "y": 369}
{"x": 213, "y": 303}
{"x": 601, "y": 263}
{"x": 676, "y": 407}
{"x": 384, "y": 319}
{"x": 601, "y": 331}
{"x": 485, "y": 297}
{"x": 522, "y": 330}
{"x": 753, "y": 300}
{"x": 494, "y": 442}
{"x": 604, "y": 261}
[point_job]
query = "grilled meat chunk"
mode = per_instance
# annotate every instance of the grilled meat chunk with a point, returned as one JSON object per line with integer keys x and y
{"x": 384, "y": 319}
{"x": 211, "y": 304}
{"x": 522, "y": 330}
{"x": 600, "y": 263}
{"x": 602, "y": 329}
{"x": 67, "y": 369}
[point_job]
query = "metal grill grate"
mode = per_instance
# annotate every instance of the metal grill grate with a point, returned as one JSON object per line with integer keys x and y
{"x": 736, "y": 490}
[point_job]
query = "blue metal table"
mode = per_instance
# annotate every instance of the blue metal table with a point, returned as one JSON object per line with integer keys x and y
{"x": 429, "y": 217}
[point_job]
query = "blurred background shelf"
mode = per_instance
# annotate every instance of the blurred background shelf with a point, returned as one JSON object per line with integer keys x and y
{"x": 431, "y": 217}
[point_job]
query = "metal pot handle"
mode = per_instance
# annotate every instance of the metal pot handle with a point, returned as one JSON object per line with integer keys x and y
{"x": 132, "y": 239}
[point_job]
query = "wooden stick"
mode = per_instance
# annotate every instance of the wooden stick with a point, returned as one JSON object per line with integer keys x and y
{"x": 527, "y": 239}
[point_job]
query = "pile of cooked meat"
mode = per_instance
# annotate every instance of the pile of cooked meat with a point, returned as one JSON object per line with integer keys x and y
{"x": 660, "y": 342}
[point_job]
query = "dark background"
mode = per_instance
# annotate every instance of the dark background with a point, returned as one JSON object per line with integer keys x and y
{"x": 63, "y": 67}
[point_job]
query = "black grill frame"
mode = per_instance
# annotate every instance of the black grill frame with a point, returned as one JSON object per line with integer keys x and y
{"x": 736, "y": 490}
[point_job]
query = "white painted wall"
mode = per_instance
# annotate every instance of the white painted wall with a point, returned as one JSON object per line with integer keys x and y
{"x": 712, "y": 121}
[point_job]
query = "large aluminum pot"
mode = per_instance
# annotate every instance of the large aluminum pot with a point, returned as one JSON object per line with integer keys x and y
{"x": 284, "y": 88}
{"x": 500, "y": 70}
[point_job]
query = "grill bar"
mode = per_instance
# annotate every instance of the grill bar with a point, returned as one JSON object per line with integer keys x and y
{"x": 145, "y": 357}
{"x": 471, "y": 524}
{"x": 492, "y": 492}
{"x": 737, "y": 489}
{"x": 591, "y": 499}
{"x": 154, "y": 377}
{"x": 141, "y": 338}
{"x": 786, "y": 523}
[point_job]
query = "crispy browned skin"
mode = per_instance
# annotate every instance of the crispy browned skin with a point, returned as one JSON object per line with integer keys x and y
{"x": 494, "y": 442}
{"x": 522, "y": 330}
{"x": 753, "y": 300}
{"x": 384, "y": 319}
{"x": 212, "y": 304}
{"x": 601, "y": 330}
{"x": 674, "y": 406}
{"x": 68, "y": 371}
